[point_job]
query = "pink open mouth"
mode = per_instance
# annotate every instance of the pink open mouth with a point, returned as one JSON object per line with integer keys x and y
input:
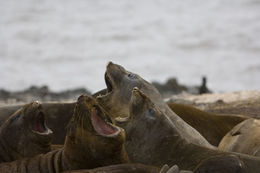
{"x": 39, "y": 124}
{"x": 100, "y": 126}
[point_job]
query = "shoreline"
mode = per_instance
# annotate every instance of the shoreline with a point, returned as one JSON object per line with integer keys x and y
{"x": 44, "y": 94}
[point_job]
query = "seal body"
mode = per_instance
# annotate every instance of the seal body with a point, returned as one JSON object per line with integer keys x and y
{"x": 91, "y": 141}
{"x": 57, "y": 117}
{"x": 24, "y": 134}
{"x": 206, "y": 123}
{"x": 243, "y": 138}
{"x": 226, "y": 163}
{"x": 152, "y": 139}
{"x": 120, "y": 84}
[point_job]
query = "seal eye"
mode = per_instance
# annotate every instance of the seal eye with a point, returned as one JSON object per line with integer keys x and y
{"x": 131, "y": 75}
{"x": 151, "y": 113}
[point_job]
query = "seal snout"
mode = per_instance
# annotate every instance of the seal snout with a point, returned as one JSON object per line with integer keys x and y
{"x": 110, "y": 63}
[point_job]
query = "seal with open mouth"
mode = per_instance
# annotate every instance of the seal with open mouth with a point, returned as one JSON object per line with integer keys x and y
{"x": 91, "y": 141}
{"x": 25, "y": 134}
{"x": 91, "y": 131}
{"x": 115, "y": 99}
{"x": 152, "y": 139}
{"x": 57, "y": 117}
{"x": 120, "y": 84}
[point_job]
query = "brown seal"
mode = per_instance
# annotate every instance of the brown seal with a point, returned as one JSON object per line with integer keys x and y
{"x": 208, "y": 124}
{"x": 120, "y": 83}
{"x": 57, "y": 117}
{"x": 59, "y": 114}
{"x": 24, "y": 134}
{"x": 153, "y": 139}
{"x": 227, "y": 163}
{"x": 243, "y": 138}
{"x": 91, "y": 141}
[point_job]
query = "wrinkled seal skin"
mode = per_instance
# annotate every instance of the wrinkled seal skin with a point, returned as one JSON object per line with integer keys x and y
{"x": 207, "y": 124}
{"x": 119, "y": 89}
{"x": 18, "y": 136}
{"x": 152, "y": 139}
{"x": 121, "y": 168}
{"x": 243, "y": 138}
{"x": 57, "y": 117}
{"x": 84, "y": 147}
{"x": 222, "y": 163}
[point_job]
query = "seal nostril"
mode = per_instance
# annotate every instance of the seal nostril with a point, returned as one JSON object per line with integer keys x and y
{"x": 81, "y": 97}
{"x": 135, "y": 88}
{"x": 131, "y": 76}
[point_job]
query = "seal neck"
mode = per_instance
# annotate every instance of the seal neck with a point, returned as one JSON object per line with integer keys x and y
{"x": 7, "y": 153}
{"x": 89, "y": 156}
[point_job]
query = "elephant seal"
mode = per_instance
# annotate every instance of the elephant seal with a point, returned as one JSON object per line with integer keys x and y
{"x": 57, "y": 117}
{"x": 243, "y": 138}
{"x": 206, "y": 123}
{"x": 152, "y": 139}
{"x": 25, "y": 134}
{"x": 120, "y": 83}
{"x": 91, "y": 141}
{"x": 222, "y": 163}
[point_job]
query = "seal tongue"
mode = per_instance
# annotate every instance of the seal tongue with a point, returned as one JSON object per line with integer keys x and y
{"x": 99, "y": 125}
{"x": 39, "y": 124}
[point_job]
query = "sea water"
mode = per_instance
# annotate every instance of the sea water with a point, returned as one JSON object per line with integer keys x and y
{"x": 67, "y": 43}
